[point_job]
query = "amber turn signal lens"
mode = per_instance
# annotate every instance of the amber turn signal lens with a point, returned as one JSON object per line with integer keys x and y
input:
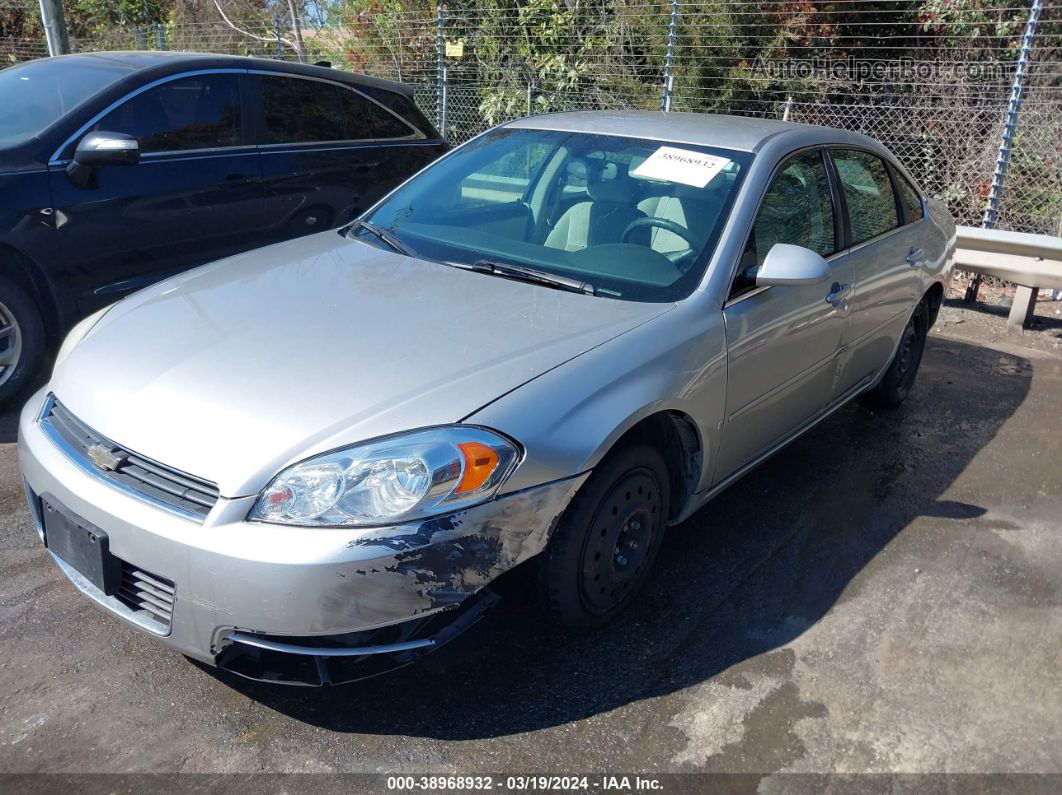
{"x": 480, "y": 462}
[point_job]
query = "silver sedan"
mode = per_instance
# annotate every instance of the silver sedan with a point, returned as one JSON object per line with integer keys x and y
{"x": 306, "y": 463}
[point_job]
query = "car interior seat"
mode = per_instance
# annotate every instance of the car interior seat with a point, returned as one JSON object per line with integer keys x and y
{"x": 603, "y": 217}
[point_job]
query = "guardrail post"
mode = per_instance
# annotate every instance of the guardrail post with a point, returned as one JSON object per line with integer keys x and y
{"x": 1006, "y": 140}
{"x": 160, "y": 36}
{"x": 277, "y": 32}
{"x": 440, "y": 71}
{"x": 669, "y": 59}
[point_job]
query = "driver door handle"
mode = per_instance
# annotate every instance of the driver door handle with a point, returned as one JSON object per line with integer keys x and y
{"x": 838, "y": 292}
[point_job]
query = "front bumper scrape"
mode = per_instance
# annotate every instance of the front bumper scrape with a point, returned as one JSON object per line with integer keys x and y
{"x": 316, "y": 661}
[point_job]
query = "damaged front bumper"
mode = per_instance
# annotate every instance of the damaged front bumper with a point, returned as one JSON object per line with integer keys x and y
{"x": 246, "y": 595}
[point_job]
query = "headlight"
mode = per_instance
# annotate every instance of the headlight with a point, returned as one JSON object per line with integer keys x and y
{"x": 78, "y": 333}
{"x": 397, "y": 479}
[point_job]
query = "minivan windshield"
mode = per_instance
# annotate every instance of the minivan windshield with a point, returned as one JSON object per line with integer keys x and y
{"x": 36, "y": 94}
{"x": 632, "y": 218}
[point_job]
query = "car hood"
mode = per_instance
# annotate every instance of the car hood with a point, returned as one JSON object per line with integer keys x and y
{"x": 236, "y": 369}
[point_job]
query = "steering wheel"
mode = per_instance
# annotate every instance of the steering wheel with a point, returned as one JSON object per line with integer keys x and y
{"x": 663, "y": 223}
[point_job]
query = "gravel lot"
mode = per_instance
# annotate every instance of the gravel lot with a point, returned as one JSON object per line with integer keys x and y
{"x": 884, "y": 595}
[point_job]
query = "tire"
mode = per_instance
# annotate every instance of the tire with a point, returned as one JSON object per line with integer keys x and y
{"x": 22, "y": 341}
{"x": 896, "y": 384}
{"x": 605, "y": 543}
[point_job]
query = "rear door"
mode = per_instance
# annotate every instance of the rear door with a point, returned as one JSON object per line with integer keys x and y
{"x": 886, "y": 258}
{"x": 328, "y": 152}
{"x": 784, "y": 342}
{"x": 194, "y": 197}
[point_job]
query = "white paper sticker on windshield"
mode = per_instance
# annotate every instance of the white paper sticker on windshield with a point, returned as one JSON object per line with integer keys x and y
{"x": 681, "y": 165}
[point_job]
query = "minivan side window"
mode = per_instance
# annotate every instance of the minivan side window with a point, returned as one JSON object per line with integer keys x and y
{"x": 867, "y": 192}
{"x": 301, "y": 111}
{"x": 797, "y": 209}
{"x": 909, "y": 198}
{"x": 200, "y": 112}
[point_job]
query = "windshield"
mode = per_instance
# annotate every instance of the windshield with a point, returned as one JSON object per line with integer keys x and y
{"x": 636, "y": 219}
{"x": 35, "y": 95}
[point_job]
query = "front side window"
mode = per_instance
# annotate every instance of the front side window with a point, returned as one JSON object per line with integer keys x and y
{"x": 867, "y": 192}
{"x": 637, "y": 219}
{"x": 797, "y": 209}
{"x": 201, "y": 112}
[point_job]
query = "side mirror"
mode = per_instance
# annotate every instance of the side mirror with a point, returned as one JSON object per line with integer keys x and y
{"x": 101, "y": 149}
{"x": 789, "y": 264}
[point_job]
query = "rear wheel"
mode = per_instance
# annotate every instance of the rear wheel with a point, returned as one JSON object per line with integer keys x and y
{"x": 21, "y": 340}
{"x": 896, "y": 384}
{"x": 605, "y": 544}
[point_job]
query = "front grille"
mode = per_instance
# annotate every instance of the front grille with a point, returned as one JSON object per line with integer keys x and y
{"x": 187, "y": 494}
{"x": 147, "y": 594}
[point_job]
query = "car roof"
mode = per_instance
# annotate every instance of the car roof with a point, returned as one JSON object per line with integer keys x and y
{"x": 742, "y": 133}
{"x": 169, "y": 61}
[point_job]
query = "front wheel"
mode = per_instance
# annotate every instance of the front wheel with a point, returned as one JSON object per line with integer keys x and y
{"x": 896, "y": 384}
{"x": 606, "y": 541}
{"x": 21, "y": 340}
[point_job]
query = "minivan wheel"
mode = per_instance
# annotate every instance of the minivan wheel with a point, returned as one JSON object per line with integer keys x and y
{"x": 896, "y": 384}
{"x": 21, "y": 340}
{"x": 605, "y": 543}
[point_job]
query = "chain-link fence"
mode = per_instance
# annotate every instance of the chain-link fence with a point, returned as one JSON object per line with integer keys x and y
{"x": 931, "y": 79}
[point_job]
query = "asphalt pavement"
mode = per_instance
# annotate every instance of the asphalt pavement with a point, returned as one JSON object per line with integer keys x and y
{"x": 882, "y": 596}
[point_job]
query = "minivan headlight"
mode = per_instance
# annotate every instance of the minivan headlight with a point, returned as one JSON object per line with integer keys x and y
{"x": 397, "y": 479}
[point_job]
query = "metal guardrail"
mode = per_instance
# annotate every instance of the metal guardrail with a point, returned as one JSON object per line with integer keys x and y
{"x": 1030, "y": 261}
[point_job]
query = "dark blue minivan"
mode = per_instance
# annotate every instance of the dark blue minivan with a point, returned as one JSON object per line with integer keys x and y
{"x": 119, "y": 169}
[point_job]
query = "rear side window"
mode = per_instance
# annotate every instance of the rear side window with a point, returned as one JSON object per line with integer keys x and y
{"x": 199, "y": 112}
{"x": 403, "y": 106}
{"x": 909, "y": 198}
{"x": 301, "y": 111}
{"x": 365, "y": 119}
{"x": 868, "y": 193}
{"x": 797, "y": 209}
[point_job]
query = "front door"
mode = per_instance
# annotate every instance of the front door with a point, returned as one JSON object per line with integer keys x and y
{"x": 783, "y": 342}
{"x": 194, "y": 197}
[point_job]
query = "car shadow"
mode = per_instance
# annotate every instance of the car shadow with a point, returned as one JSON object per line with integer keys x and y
{"x": 747, "y": 574}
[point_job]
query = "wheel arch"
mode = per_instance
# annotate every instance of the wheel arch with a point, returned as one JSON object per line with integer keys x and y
{"x": 675, "y": 435}
{"x": 934, "y": 299}
{"x": 28, "y": 275}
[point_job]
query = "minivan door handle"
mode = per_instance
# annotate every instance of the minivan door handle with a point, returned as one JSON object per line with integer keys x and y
{"x": 838, "y": 292}
{"x": 913, "y": 256}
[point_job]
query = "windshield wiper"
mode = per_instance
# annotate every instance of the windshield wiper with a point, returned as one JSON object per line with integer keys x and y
{"x": 386, "y": 237}
{"x": 533, "y": 275}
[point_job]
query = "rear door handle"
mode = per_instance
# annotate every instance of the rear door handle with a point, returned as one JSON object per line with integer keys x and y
{"x": 913, "y": 256}
{"x": 838, "y": 292}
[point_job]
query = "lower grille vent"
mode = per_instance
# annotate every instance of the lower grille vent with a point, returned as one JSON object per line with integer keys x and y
{"x": 148, "y": 594}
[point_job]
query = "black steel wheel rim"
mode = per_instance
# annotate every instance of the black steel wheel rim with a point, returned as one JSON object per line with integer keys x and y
{"x": 620, "y": 541}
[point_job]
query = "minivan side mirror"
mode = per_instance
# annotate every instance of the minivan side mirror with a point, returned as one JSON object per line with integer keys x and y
{"x": 789, "y": 264}
{"x": 101, "y": 149}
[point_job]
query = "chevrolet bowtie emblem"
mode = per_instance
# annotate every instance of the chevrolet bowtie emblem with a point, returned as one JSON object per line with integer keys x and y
{"x": 105, "y": 458}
